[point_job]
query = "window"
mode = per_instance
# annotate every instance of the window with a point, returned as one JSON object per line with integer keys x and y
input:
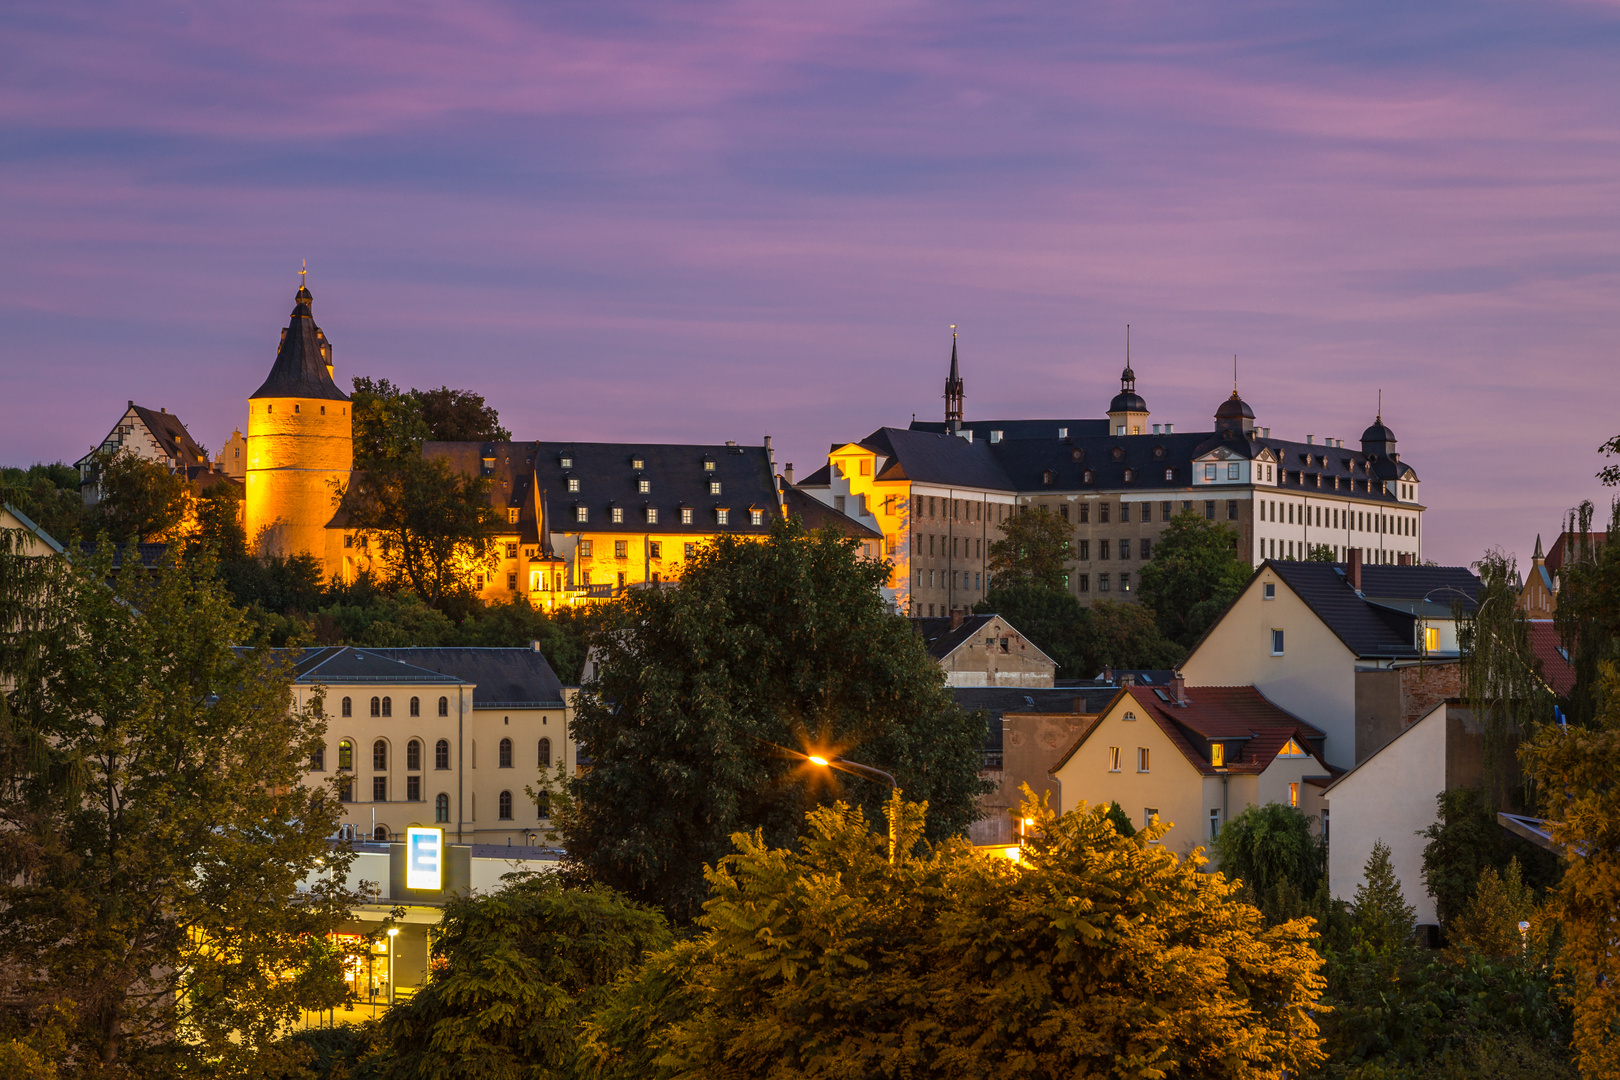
{"x": 1232, "y": 471}
{"x": 1165, "y": 511}
{"x": 506, "y": 754}
{"x": 616, "y": 515}
{"x": 1124, "y": 583}
{"x": 1293, "y": 794}
{"x": 1102, "y": 582}
{"x": 1125, "y": 549}
{"x": 1231, "y": 509}
{"x": 1005, "y": 645}
{"x": 1214, "y": 822}
{"x": 545, "y": 753}
{"x": 511, "y": 582}
{"x": 1276, "y": 643}
{"x": 866, "y": 466}
{"x": 379, "y": 756}
{"x": 348, "y": 707}
{"x": 441, "y": 754}
{"x": 722, "y": 517}
{"x": 413, "y": 756}
{"x": 1148, "y": 814}
{"x": 1085, "y": 582}
{"x": 1431, "y": 639}
{"x": 1209, "y": 509}
{"x": 757, "y": 517}
{"x": 444, "y": 706}
{"x": 379, "y": 789}
{"x": 582, "y": 513}
{"x": 346, "y": 791}
{"x": 506, "y": 806}
{"x": 441, "y": 808}
{"x": 714, "y": 487}
{"x": 1085, "y": 511}
{"x": 345, "y": 755}
{"x": 1217, "y": 754}
{"x": 1209, "y": 471}
{"x": 652, "y": 515}
{"x": 586, "y": 547}
{"x": 690, "y": 549}
{"x": 1102, "y": 549}
{"x": 1291, "y": 748}
{"x": 1102, "y": 512}
{"x": 621, "y": 549}
{"x": 1169, "y": 474}
{"x": 566, "y": 461}
{"x": 317, "y": 760}
{"x": 1144, "y": 759}
{"x": 511, "y": 551}
{"x": 708, "y": 465}
{"x": 1269, "y": 590}
{"x": 1146, "y": 547}
{"x": 1124, "y": 511}
{"x": 413, "y": 789}
{"x": 1085, "y": 551}
{"x": 416, "y": 706}
{"x": 573, "y": 484}
{"x": 644, "y": 486}
{"x": 1113, "y": 759}
{"x": 376, "y": 706}
{"x": 655, "y": 549}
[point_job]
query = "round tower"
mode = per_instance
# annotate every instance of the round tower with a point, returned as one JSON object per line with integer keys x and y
{"x": 300, "y": 445}
{"x": 1127, "y": 413}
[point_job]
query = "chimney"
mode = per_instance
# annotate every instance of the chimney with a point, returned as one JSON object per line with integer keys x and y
{"x": 787, "y": 474}
{"x": 956, "y": 618}
{"x": 1078, "y": 705}
{"x": 1355, "y": 569}
{"x": 1178, "y": 688}
{"x": 1108, "y": 674}
{"x": 1127, "y": 680}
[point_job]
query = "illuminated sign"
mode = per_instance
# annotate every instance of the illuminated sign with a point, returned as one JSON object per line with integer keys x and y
{"x": 424, "y": 859}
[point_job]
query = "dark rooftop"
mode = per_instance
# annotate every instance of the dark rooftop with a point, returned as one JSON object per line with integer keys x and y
{"x": 300, "y": 367}
{"x": 815, "y": 514}
{"x": 504, "y": 678}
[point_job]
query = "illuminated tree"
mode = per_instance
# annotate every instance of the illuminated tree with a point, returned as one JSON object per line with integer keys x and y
{"x": 1033, "y": 550}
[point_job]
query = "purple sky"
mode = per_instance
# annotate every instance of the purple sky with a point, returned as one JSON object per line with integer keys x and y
{"x": 699, "y": 222}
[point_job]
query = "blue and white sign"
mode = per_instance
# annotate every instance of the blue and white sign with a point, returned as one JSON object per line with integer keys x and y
{"x": 424, "y": 859}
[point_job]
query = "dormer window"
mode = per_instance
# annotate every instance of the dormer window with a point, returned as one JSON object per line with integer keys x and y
{"x": 714, "y": 487}
{"x": 638, "y": 464}
{"x": 1087, "y": 476}
{"x": 511, "y": 515}
{"x": 1077, "y": 454}
{"x": 566, "y": 461}
{"x": 708, "y": 464}
{"x": 644, "y": 486}
{"x": 1119, "y": 451}
{"x": 573, "y": 483}
{"x": 756, "y": 517}
{"x": 1158, "y": 451}
{"x": 1129, "y": 475}
{"x": 582, "y": 513}
{"x": 1291, "y": 748}
{"x": 1046, "y": 477}
{"x": 1063, "y": 433}
{"x": 652, "y": 515}
{"x": 1169, "y": 474}
{"x": 722, "y": 516}
{"x": 1217, "y": 754}
{"x": 617, "y": 514}
{"x": 686, "y": 515}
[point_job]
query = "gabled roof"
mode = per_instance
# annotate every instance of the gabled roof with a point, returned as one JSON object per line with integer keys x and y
{"x": 1399, "y": 735}
{"x": 357, "y": 664}
{"x": 172, "y": 436}
{"x": 926, "y": 457}
{"x": 942, "y": 640}
{"x": 1253, "y": 728}
{"x": 1379, "y": 622}
{"x": 509, "y": 678}
{"x": 300, "y": 368}
{"x": 815, "y": 514}
{"x": 1547, "y": 647}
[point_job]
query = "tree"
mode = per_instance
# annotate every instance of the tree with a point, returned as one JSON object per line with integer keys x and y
{"x": 1464, "y": 841}
{"x": 49, "y": 495}
{"x": 1054, "y": 620}
{"x": 1120, "y": 820}
{"x": 1126, "y": 636}
{"x": 459, "y": 416}
{"x": 153, "y": 826}
{"x": 522, "y": 969}
{"x": 1588, "y": 613}
{"x": 1574, "y": 771}
{"x": 1383, "y": 920}
{"x": 1096, "y": 955}
{"x": 1271, "y": 850}
{"x": 1322, "y": 553}
{"x": 219, "y": 523}
{"x": 1034, "y": 549}
{"x": 1195, "y": 573}
{"x": 705, "y": 693}
{"x": 1490, "y": 923}
{"x": 1501, "y": 679}
{"x": 140, "y": 501}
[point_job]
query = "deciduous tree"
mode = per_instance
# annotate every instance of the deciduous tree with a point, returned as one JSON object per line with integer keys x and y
{"x": 140, "y": 501}
{"x": 1033, "y": 549}
{"x": 1271, "y": 850}
{"x": 1195, "y": 573}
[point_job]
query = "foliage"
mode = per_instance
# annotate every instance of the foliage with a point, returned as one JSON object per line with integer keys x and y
{"x": 1097, "y": 955}
{"x": 139, "y": 501}
{"x": 49, "y": 495}
{"x": 1194, "y": 574}
{"x": 1574, "y": 770}
{"x": 1464, "y": 841}
{"x": 219, "y": 522}
{"x": 1501, "y": 679}
{"x": 1127, "y": 636}
{"x": 1120, "y": 820}
{"x": 459, "y": 416}
{"x": 1490, "y": 923}
{"x": 153, "y": 823}
{"x": 522, "y": 968}
{"x": 391, "y": 423}
{"x": 1321, "y": 553}
{"x": 1588, "y": 612}
{"x": 1033, "y": 550}
{"x": 780, "y": 643}
{"x": 1271, "y": 850}
{"x": 1083, "y": 641}
{"x": 1382, "y": 918}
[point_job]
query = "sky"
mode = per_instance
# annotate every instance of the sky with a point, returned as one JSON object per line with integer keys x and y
{"x": 693, "y": 222}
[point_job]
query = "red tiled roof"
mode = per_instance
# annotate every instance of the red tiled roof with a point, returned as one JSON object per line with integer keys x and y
{"x": 1546, "y": 647}
{"x": 1227, "y": 712}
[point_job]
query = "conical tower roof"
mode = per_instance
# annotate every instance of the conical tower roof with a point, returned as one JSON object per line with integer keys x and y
{"x": 300, "y": 369}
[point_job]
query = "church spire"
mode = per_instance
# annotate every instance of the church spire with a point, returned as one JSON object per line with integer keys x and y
{"x": 954, "y": 392}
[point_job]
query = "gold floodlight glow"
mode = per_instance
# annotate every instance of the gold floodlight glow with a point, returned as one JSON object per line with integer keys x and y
{"x": 817, "y": 760}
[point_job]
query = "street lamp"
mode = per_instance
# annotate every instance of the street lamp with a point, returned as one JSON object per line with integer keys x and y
{"x": 393, "y": 931}
{"x": 845, "y": 765}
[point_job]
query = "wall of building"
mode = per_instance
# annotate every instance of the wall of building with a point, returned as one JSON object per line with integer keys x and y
{"x": 983, "y": 661}
{"x": 1314, "y": 678}
{"x": 298, "y": 451}
{"x": 1031, "y": 743}
{"x": 1389, "y": 797}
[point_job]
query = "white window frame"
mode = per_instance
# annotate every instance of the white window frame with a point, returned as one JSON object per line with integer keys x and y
{"x": 582, "y": 513}
{"x": 1277, "y": 641}
{"x": 1113, "y": 759}
{"x": 1144, "y": 759}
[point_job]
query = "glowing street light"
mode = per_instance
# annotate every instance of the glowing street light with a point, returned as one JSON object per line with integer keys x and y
{"x": 845, "y": 765}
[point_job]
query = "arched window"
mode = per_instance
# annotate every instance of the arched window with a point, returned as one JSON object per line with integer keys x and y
{"x": 345, "y": 754}
{"x": 380, "y": 833}
{"x": 317, "y": 759}
{"x": 506, "y": 806}
{"x": 506, "y": 753}
{"x": 441, "y": 754}
{"x": 348, "y": 707}
{"x": 379, "y": 756}
{"x": 413, "y": 756}
{"x": 376, "y": 706}
{"x": 545, "y": 753}
{"x": 543, "y": 803}
{"x": 444, "y": 706}
{"x": 416, "y": 706}
{"x": 388, "y": 706}
{"x": 441, "y": 808}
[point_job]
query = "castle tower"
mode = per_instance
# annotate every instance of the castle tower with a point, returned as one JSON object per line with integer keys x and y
{"x": 1127, "y": 413}
{"x": 300, "y": 444}
{"x": 954, "y": 393}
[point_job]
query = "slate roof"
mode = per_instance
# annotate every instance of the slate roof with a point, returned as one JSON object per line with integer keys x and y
{"x": 172, "y": 436}
{"x": 525, "y": 473}
{"x": 1373, "y": 624}
{"x": 997, "y": 701}
{"x": 925, "y": 457}
{"x": 504, "y": 678}
{"x": 815, "y": 514}
{"x": 1252, "y": 727}
{"x": 1547, "y": 647}
{"x": 941, "y": 640}
{"x": 359, "y": 664}
{"x": 1021, "y": 429}
{"x": 300, "y": 369}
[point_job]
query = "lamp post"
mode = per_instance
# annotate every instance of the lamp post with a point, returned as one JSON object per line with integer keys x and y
{"x": 858, "y": 769}
{"x": 393, "y": 932}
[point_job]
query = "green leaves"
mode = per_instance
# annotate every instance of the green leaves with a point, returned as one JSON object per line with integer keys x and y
{"x": 1032, "y": 551}
{"x": 1194, "y": 575}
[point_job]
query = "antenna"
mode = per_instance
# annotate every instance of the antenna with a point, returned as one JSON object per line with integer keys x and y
{"x": 1234, "y": 373}
{"x": 1380, "y": 404}
{"x": 303, "y": 269}
{"x": 1127, "y": 344}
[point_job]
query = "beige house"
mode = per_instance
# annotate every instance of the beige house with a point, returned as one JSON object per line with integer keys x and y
{"x": 446, "y": 737}
{"x": 1361, "y": 651}
{"x": 1193, "y": 756}
{"x": 985, "y": 650}
{"x": 30, "y": 539}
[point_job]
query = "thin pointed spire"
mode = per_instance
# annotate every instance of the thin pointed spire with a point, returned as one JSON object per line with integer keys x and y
{"x": 1380, "y": 413}
{"x": 954, "y": 391}
{"x": 1538, "y": 557}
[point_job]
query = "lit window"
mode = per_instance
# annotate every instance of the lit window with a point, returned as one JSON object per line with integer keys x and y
{"x": 756, "y": 517}
{"x": 511, "y": 515}
{"x": 1291, "y": 748}
{"x": 585, "y": 548}
{"x": 567, "y": 462}
{"x": 621, "y": 549}
{"x": 714, "y": 487}
{"x": 638, "y": 463}
{"x": 652, "y": 515}
{"x": 1113, "y": 759}
{"x": 1276, "y": 643}
{"x": 1293, "y": 794}
{"x": 618, "y": 515}
{"x": 644, "y": 486}
{"x": 511, "y": 551}
{"x": 582, "y": 513}
{"x": 1169, "y": 474}
{"x": 1431, "y": 639}
{"x": 708, "y": 465}
{"x": 686, "y": 516}
{"x": 1144, "y": 759}
{"x": 1217, "y": 754}
{"x": 722, "y": 517}
{"x": 573, "y": 483}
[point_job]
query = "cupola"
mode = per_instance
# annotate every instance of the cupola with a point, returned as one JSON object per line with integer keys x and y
{"x": 1127, "y": 413}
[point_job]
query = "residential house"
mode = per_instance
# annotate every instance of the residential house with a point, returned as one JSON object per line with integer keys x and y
{"x": 984, "y": 650}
